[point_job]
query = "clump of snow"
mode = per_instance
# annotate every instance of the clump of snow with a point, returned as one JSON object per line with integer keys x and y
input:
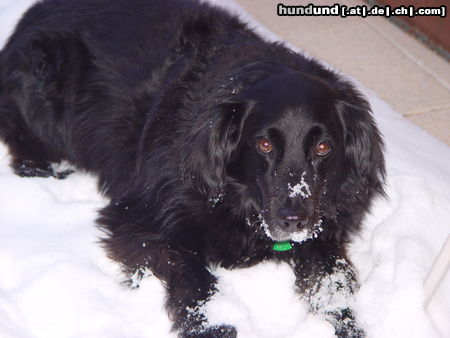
{"x": 301, "y": 188}
{"x": 136, "y": 277}
{"x": 301, "y": 236}
{"x": 55, "y": 280}
{"x": 305, "y": 234}
{"x": 265, "y": 226}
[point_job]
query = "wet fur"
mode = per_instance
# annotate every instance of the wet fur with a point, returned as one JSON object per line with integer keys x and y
{"x": 158, "y": 99}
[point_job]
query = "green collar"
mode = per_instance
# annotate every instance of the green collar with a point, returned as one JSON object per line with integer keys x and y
{"x": 282, "y": 246}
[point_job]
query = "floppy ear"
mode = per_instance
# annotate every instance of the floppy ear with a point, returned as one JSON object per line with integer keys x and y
{"x": 212, "y": 144}
{"x": 216, "y": 130}
{"x": 363, "y": 147}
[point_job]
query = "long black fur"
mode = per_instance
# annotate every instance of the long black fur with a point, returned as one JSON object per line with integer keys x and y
{"x": 166, "y": 101}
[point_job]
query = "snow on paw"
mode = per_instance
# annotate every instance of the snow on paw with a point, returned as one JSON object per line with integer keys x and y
{"x": 217, "y": 331}
{"x": 28, "y": 168}
{"x": 345, "y": 324}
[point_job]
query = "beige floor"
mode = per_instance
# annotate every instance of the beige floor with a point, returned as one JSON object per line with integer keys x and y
{"x": 403, "y": 72}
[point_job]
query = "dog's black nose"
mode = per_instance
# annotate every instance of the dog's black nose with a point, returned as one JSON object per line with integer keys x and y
{"x": 293, "y": 222}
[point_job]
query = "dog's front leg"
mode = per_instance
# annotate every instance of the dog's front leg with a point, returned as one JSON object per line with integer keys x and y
{"x": 188, "y": 283}
{"x": 189, "y": 287}
{"x": 137, "y": 244}
{"x": 327, "y": 282}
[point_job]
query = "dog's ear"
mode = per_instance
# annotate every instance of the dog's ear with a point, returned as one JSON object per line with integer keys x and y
{"x": 216, "y": 130}
{"x": 212, "y": 144}
{"x": 363, "y": 146}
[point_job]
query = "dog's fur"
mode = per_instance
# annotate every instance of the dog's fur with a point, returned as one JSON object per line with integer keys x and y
{"x": 166, "y": 101}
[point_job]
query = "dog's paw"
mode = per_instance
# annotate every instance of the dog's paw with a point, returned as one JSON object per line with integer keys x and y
{"x": 345, "y": 324}
{"x": 350, "y": 330}
{"x": 60, "y": 175}
{"x": 217, "y": 331}
{"x": 28, "y": 168}
{"x": 222, "y": 331}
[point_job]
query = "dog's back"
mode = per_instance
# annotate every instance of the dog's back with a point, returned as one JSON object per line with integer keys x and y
{"x": 78, "y": 78}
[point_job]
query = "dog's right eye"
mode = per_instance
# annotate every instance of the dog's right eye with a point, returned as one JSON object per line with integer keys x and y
{"x": 322, "y": 149}
{"x": 264, "y": 146}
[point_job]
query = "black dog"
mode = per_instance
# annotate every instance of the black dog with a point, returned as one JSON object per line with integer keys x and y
{"x": 213, "y": 145}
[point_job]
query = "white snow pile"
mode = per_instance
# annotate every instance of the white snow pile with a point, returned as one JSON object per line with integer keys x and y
{"x": 56, "y": 282}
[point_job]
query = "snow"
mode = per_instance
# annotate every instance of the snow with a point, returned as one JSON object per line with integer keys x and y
{"x": 301, "y": 188}
{"x": 303, "y": 235}
{"x": 55, "y": 280}
{"x": 265, "y": 226}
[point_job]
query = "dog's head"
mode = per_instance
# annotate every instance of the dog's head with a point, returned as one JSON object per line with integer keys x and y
{"x": 289, "y": 150}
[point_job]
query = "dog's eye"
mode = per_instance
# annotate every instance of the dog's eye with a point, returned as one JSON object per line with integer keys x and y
{"x": 322, "y": 149}
{"x": 264, "y": 146}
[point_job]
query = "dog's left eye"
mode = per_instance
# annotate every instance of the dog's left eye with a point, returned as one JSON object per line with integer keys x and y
{"x": 323, "y": 149}
{"x": 264, "y": 146}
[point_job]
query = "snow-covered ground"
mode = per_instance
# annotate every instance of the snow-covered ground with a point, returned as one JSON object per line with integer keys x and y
{"x": 56, "y": 282}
